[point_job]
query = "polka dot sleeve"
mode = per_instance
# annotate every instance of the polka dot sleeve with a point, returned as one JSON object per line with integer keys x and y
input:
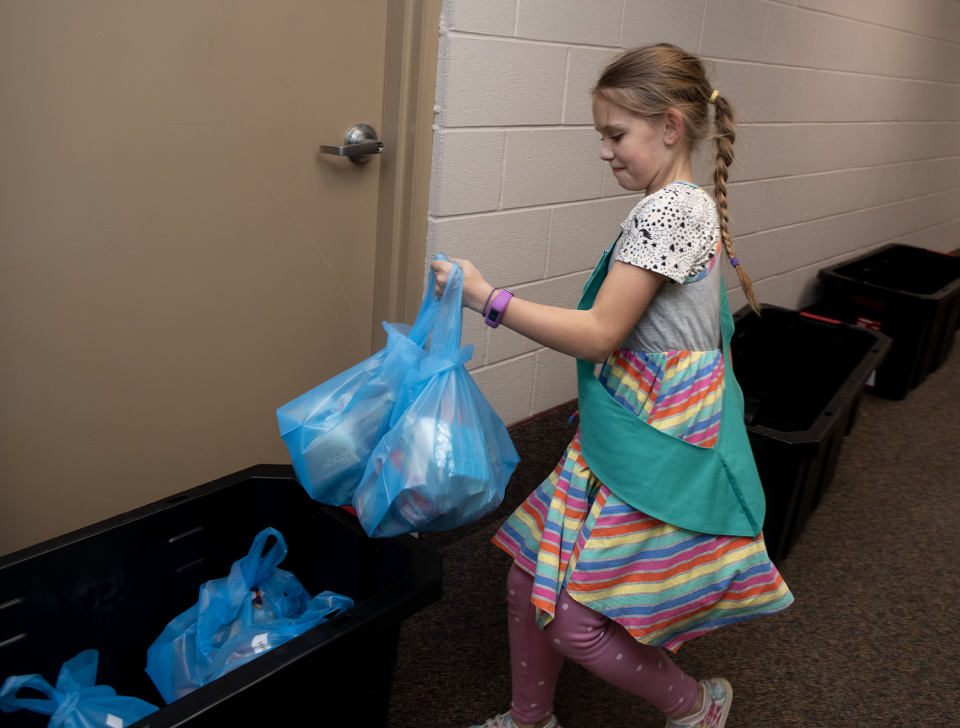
{"x": 671, "y": 232}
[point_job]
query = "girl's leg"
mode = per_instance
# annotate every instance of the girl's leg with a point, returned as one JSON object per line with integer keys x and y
{"x": 535, "y": 665}
{"x": 607, "y": 649}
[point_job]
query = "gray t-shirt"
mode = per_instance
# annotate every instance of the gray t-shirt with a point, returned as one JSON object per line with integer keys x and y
{"x": 675, "y": 232}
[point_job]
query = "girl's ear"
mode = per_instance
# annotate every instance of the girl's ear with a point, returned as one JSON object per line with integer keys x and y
{"x": 673, "y": 127}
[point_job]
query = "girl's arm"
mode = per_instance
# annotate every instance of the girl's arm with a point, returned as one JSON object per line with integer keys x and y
{"x": 592, "y": 335}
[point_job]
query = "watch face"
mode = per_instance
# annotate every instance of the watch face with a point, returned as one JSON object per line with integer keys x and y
{"x": 493, "y": 314}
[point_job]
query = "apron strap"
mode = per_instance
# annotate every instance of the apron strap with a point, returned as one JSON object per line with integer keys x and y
{"x": 709, "y": 490}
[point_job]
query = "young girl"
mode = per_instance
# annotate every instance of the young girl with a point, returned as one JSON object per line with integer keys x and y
{"x": 647, "y": 533}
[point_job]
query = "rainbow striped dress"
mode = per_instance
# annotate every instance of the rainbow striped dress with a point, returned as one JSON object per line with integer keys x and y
{"x": 664, "y": 584}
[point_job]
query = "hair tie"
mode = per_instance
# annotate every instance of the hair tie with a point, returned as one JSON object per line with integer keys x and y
{"x": 713, "y": 97}
{"x": 734, "y": 262}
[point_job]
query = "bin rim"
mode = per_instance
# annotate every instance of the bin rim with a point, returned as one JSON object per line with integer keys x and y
{"x": 814, "y": 436}
{"x": 830, "y": 272}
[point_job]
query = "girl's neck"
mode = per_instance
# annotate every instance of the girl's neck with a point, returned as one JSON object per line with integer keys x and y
{"x": 680, "y": 171}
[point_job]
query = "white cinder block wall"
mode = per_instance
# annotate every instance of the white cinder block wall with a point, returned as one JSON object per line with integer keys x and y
{"x": 849, "y": 138}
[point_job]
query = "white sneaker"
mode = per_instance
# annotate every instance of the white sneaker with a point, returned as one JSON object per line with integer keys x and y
{"x": 718, "y": 695}
{"x": 505, "y": 721}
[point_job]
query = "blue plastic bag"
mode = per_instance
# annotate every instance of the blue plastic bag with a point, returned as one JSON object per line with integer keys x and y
{"x": 77, "y": 701}
{"x": 447, "y": 457}
{"x": 256, "y": 608}
{"x": 330, "y": 430}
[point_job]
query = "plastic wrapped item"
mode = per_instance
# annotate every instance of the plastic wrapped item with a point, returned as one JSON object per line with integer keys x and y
{"x": 237, "y": 618}
{"x": 447, "y": 457}
{"x": 331, "y": 430}
{"x": 77, "y": 701}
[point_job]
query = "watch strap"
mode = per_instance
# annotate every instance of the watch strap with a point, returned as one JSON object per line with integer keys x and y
{"x": 499, "y": 304}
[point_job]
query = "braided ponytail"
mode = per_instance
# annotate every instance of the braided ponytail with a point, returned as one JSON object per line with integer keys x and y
{"x": 650, "y": 80}
{"x": 725, "y": 136}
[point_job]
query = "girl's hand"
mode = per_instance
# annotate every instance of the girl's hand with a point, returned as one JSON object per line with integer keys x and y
{"x": 475, "y": 289}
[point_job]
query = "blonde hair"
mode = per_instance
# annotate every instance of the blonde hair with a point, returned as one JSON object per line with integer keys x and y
{"x": 649, "y": 80}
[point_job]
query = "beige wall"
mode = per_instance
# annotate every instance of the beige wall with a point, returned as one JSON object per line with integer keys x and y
{"x": 849, "y": 138}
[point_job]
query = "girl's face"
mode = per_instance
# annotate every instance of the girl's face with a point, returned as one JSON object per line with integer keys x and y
{"x": 642, "y": 152}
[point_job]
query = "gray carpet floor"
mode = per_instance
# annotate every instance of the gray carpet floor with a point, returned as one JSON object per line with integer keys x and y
{"x": 872, "y": 639}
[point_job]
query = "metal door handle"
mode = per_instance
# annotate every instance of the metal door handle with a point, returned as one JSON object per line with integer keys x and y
{"x": 353, "y": 150}
{"x": 360, "y": 143}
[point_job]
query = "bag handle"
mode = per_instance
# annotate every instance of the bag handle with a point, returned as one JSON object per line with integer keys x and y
{"x": 449, "y": 324}
{"x": 9, "y": 702}
{"x": 77, "y": 678}
{"x": 427, "y": 315}
{"x": 255, "y": 567}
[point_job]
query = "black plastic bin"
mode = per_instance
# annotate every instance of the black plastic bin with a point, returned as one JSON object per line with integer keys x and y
{"x": 114, "y": 586}
{"x": 802, "y": 379}
{"x": 911, "y": 294}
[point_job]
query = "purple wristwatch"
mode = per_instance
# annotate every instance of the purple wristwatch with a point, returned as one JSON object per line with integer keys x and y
{"x": 493, "y": 314}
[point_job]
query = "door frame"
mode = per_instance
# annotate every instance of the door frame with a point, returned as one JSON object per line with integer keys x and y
{"x": 410, "y": 83}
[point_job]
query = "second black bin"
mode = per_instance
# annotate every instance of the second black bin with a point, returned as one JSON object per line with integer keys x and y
{"x": 802, "y": 379}
{"x": 911, "y": 294}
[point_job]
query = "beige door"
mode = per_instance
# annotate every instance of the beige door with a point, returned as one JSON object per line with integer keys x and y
{"x": 176, "y": 259}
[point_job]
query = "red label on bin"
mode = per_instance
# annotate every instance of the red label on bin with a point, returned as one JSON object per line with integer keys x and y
{"x": 869, "y": 302}
{"x": 864, "y": 323}
{"x": 819, "y": 318}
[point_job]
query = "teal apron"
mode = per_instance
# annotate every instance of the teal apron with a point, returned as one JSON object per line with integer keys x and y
{"x": 709, "y": 490}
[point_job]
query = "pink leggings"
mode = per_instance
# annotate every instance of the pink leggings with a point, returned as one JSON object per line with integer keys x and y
{"x": 592, "y": 640}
